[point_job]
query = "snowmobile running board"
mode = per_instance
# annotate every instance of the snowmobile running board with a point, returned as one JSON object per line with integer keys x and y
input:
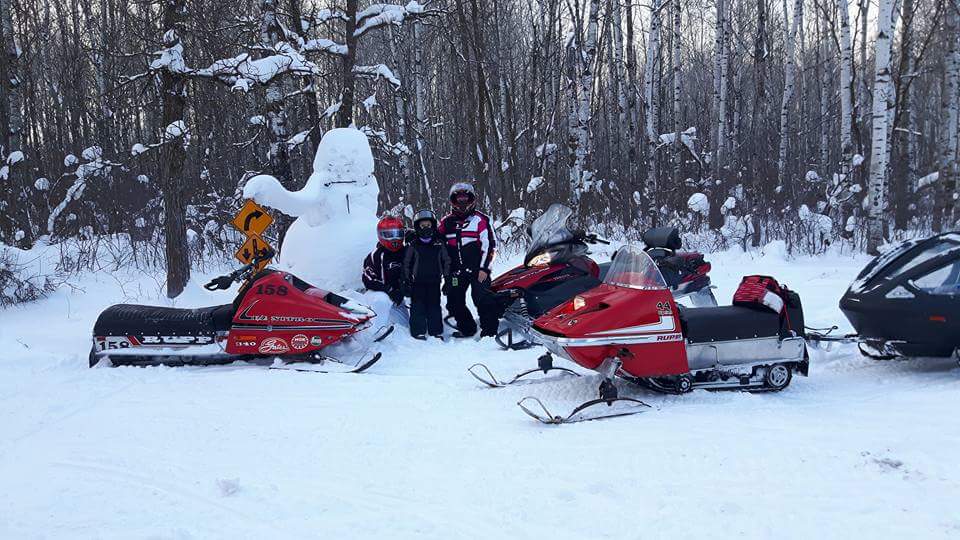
{"x": 488, "y": 378}
{"x": 581, "y": 413}
{"x": 328, "y": 365}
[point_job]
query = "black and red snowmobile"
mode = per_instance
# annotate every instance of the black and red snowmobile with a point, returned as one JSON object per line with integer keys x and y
{"x": 558, "y": 266}
{"x": 630, "y": 327}
{"x": 276, "y": 319}
{"x": 685, "y": 272}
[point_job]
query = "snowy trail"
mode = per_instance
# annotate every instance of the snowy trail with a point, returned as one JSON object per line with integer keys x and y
{"x": 418, "y": 448}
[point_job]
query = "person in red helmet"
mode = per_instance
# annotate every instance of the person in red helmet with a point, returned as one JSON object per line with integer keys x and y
{"x": 383, "y": 267}
{"x": 472, "y": 244}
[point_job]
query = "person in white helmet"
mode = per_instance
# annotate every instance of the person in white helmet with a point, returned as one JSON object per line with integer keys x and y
{"x": 472, "y": 246}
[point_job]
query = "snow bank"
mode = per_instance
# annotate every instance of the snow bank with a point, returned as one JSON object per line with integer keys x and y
{"x": 336, "y": 211}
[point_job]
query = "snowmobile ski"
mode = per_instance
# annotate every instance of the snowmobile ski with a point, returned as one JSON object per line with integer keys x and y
{"x": 483, "y": 374}
{"x": 327, "y": 364}
{"x": 586, "y": 411}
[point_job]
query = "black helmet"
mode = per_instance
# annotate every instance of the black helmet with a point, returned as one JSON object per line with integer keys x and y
{"x": 425, "y": 223}
{"x": 463, "y": 198}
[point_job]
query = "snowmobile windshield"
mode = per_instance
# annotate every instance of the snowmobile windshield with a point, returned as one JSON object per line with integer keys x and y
{"x": 898, "y": 261}
{"x": 634, "y": 269}
{"x": 546, "y": 231}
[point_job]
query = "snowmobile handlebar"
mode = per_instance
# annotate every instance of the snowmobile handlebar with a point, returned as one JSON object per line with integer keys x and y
{"x": 223, "y": 283}
{"x": 590, "y": 238}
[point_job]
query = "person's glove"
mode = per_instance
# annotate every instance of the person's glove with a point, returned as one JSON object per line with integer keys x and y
{"x": 446, "y": 288}
{"x": 396, "y": 295}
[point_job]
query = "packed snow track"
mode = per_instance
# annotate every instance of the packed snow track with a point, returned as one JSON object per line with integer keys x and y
{"x": 416, "y": 447}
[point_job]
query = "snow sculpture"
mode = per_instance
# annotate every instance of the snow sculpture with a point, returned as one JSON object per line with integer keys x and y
{"x": 336, "y": 212}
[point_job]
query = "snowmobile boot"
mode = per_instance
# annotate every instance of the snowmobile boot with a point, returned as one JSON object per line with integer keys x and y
{"x": 460, "y": 335}
{"x": 421, "y": 337}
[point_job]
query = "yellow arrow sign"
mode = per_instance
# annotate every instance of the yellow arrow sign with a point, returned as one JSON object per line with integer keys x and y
{"x": 253, "y": 246}
{"x": 252, "y": 219}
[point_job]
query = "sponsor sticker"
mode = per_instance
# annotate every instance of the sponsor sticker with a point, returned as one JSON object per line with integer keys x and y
{"x": 316, "y": 341}
{"x": 299, "y": 342}
{"x": 273, "y": 345}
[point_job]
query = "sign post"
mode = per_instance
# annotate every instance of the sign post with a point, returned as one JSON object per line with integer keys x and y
{"x": 252, "y": 220}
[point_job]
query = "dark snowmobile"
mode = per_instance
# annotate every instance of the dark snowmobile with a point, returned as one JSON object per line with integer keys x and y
{"x": 556, "y": 267}
{"x": 906, "y": 302}
{"x": 629, "y": 327}
{"x": 275, "y": 316}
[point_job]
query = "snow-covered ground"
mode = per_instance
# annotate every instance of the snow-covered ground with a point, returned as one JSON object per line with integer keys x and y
{"x": 417, "y": 448}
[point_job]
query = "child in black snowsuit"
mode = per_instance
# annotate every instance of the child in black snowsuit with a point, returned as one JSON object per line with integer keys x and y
{"x": 426, "y": 262}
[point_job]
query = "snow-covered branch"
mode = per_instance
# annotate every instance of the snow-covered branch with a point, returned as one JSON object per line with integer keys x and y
{"x": 376, "y": 71}
{"x": 378, "y": 15}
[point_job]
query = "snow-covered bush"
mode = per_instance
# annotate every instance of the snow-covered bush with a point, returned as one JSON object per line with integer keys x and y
{"x": 21, "y": 283}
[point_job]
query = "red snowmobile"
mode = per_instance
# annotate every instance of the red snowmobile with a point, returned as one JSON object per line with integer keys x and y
{"x": 275, "y": 319}
{"x": 557, "y": 267}
{"x": 631, "y": 327}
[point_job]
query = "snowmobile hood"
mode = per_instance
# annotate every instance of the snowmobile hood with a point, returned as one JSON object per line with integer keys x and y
{"x": 632, "y": 310}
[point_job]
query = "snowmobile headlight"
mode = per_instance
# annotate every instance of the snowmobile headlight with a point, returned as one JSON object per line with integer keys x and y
{"x": 542, "y": 259}
{"x": 578, "y": 302}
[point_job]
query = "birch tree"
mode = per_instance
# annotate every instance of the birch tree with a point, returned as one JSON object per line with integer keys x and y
{"x": 846, "y": 91}
{"x": 882, "y": 97}
{"x": 946, "y": 202}
{"x": 579, "y": 141}
{"x": 789, "y": 82}
{"x": 652, "y": 102}
{"x": 271, "y": 35}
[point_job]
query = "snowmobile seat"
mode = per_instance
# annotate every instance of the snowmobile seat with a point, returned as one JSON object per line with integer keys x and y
{"x": 129, "y": 319}
{"x": 727, "y": 323}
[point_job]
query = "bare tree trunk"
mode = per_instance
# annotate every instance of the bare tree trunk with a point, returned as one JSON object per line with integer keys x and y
{"x": 760, "y": 52}
{"x": 11, "y": 120}
{"x": 846, "y": 92}
{"x": 581, "y": 173}
{"x": 420, "y": 106}
{"x": 720, "y": 88}
{"x": 822, "y": 92}
{"x": 903, "y": 174}
{"x": 632, "y": 140}
{"x": 789, "y": 82}
{"x": 882, "y": 95}
{"x": 620, "y": 80}
{"x": 309, "y": 85}
{"x": 172, "y": 155}
{"x": 348, "y": 78}
{"x": 278, "y": 155}
{"x": 653, "y": 109}
{"x": 945, "y": 203}
{"x": 677, "y": 92}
